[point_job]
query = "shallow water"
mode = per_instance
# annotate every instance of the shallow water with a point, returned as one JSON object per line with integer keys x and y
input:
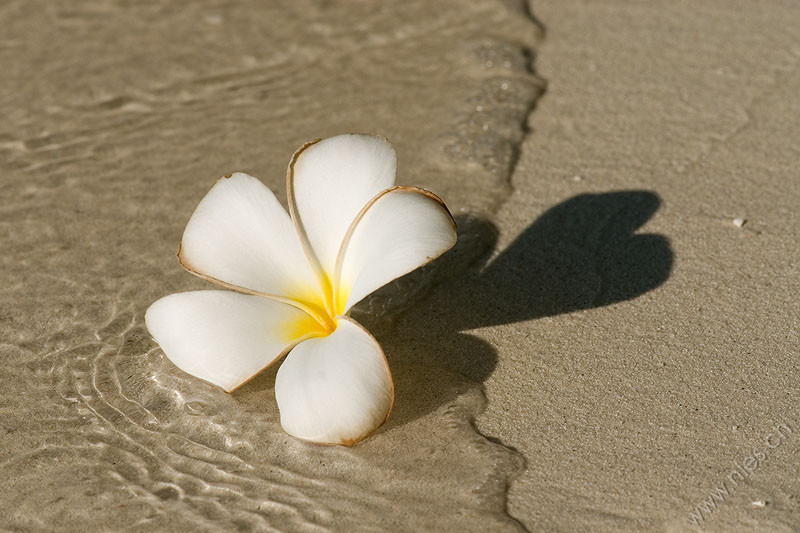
{"x": 118, "y": 117}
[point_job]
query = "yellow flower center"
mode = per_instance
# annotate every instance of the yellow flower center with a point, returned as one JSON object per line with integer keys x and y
{"x": 321, "y": 306}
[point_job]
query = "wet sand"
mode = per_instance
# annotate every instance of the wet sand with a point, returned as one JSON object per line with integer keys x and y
{"x": 615, "y": 333}
{"x": 118, "y": 117}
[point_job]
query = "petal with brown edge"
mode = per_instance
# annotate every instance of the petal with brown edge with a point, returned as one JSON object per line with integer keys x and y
{"x": 224, "y": 337}
{"x": 329, "y": 182}
{"x": 240, "y": 236}
{"x": 399, "y": 231}
{"x": 336, "y": 389}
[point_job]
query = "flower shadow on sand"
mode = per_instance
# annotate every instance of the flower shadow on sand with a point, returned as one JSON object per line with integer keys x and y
{"x": 581, "y": 254}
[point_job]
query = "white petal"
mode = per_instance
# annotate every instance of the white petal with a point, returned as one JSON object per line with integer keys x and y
{"x": 400, "y": 230}
{"x": 240, "y": 235}
{"x": 330, "y": 181}
{"x": 224, "y": 337}
{"x": 335, "y": 389}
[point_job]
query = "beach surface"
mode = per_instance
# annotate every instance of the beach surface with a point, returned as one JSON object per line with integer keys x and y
{"x": 656, "y": 204}
{"x": 611, "y": 346}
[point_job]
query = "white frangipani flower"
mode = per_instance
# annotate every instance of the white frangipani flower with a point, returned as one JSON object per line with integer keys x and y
{"x": 296, "y": 277}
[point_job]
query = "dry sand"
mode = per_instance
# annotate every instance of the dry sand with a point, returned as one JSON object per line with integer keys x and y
{"x": 631, "y": 411}
{"x": 618, "y": 320}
